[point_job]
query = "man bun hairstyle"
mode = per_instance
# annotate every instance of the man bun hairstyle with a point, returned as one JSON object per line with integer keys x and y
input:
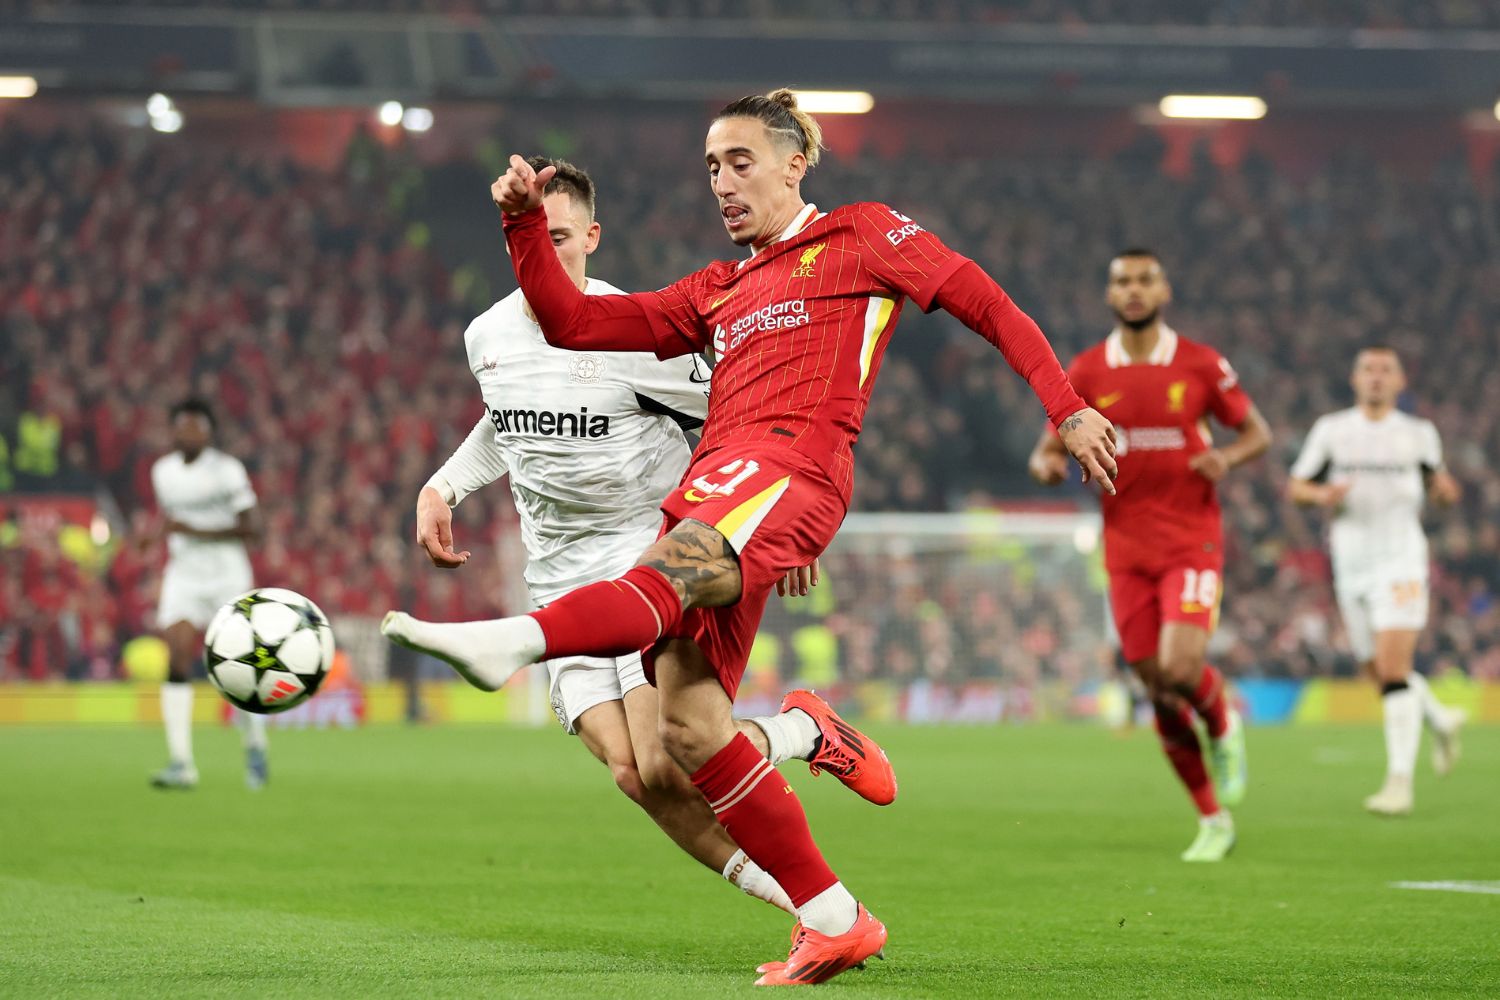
{"x": 571, "y": 180}
{"x": 786, "y": 122}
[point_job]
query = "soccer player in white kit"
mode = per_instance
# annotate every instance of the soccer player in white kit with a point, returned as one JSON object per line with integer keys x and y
{"x": 208, "y": 504}
{"x": 1371, "y": 466}
{"x": 592, "y": 443}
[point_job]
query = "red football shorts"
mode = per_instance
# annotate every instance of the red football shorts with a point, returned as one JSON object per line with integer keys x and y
{"x": 1143, "y": 602}
{"x": 779, "y": 511}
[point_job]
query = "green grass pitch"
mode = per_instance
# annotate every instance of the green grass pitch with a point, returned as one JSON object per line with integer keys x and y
{"x": 468, "y": 861}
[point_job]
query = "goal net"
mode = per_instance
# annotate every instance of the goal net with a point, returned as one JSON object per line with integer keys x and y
{"x": 977, "y": 614}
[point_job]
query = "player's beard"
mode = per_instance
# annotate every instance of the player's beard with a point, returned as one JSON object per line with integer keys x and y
{"x": 1137, "y": 324}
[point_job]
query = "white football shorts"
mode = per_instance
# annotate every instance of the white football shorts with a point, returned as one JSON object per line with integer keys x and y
{"x": 194, "y": 599}
{"x": 1375, "y": 606}
{"x": 578, "y": 683}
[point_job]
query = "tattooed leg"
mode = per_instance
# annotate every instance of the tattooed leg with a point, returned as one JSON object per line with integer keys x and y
{"x": 699, "y": 563}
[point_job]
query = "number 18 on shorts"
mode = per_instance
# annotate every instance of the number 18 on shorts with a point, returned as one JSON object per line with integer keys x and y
{"x": 1143, "y": 602}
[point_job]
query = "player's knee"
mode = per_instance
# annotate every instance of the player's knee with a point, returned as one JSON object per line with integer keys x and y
{"x": 1180, "y": 671}
{"x": 628, "y": 780}
{"x": 660, "y": 774}
{"x": 682, "y": 742}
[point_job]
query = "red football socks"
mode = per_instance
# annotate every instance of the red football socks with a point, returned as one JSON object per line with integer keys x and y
{"x": 760, "y": 811}
{"x": 611, "y": 618}
{"x": 1208, "y": 701}
{"x": 1180, "y": 743}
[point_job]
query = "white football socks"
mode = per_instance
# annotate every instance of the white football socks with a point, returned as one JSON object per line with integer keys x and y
{"x": 1403, "y": 730}
{"x": 177, "y": 717}
{"x": 753, "y": 880}
{"x": 1434, "y": 713}
{"x": 791, "y": 734}
{"x": 832, "y": 911}
{"x": 485, "y": 653}
{"x": 252, "y": 730}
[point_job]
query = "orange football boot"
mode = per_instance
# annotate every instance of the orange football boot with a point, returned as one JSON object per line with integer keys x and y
{"x": 817, "y": 958}
{"x": 845, "y": 752}
{"x": 778, "y": 964}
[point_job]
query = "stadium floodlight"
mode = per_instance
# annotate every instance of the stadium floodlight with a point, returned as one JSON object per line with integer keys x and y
{"x": 1222, "y": 106}
{"x": 17, "y": 86}
{"x": 416, "y": 119}
{"x": 835, "y": 102}
{"x": 162, "y": 113}
{"x": 167, "y": 121}
{"x": 390, "y": 113}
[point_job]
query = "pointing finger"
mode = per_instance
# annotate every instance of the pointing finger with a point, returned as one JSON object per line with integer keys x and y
{"x": 1103, "y": 477}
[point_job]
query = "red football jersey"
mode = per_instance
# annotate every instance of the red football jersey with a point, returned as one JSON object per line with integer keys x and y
{"x": 799, "y": 328}
{"x": 1163, "y": 510}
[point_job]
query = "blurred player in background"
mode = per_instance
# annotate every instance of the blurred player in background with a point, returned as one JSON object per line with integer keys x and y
{"x": 1163, "y": 542}
{"x": 208, "y": 504}
{"x": 798, "y": 329}
{"x": 1370, "y": 466}
{"x": 592, "y": 443}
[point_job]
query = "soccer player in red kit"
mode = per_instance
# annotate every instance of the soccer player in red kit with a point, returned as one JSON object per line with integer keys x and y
{"x": 1163, "y": 543}
{"x": 798, "y": 329}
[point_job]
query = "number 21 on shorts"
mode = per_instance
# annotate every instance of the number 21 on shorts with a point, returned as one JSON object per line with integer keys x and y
{"x": 1200, "y": 590}
{"x": 703, "y": 487}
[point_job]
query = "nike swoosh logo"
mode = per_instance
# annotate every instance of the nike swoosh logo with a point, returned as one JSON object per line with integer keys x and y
{"x": 1105, "y": 402}
{"x": 725, "y": 299}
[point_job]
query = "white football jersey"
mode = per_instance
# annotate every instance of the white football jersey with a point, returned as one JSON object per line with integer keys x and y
{"x": 208, "y": 493}
{"x": 1377, "y": 532}
{"x": 592, "y": 442}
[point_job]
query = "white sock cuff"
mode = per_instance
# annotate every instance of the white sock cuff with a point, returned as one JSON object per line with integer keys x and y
{"x": 778, "y": 740}
{"x": 832, "y": 911}
{"x": 736, "y": 866}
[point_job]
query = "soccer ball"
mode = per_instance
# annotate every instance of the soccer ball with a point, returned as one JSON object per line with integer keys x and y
{"x": 268, "y": 650}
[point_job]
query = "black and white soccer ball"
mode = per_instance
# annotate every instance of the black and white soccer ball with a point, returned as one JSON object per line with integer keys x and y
{"x": 268, "y": 650}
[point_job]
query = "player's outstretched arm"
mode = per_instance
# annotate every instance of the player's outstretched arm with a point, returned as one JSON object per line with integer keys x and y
{"x": 1254, "y": 437}
{"x": 567, "y": 316}
{"x": 974, "y": 298}
{"x": 476, "y": 463}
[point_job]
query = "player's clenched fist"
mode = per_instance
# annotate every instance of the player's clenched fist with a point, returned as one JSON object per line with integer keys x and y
{"x": 520, "y": 188}
{"x": 1090, "y": 439}
{"x": 435, "y": 530}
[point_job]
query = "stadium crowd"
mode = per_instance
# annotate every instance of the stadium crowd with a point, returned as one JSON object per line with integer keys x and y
{"x": 136, "y": 269}
{"x": 1347, "y": 14}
